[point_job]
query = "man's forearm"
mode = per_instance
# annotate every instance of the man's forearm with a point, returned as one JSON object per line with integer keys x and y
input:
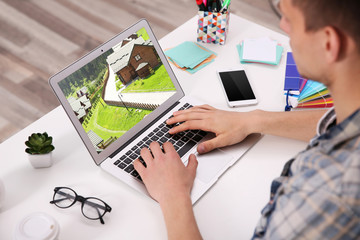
{"x": 180, "y": 219}
{"x": 299, "y": 125}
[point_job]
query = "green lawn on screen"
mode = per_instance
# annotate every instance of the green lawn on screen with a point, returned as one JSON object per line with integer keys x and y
{"x": 157, "y": 82}
{"x": 111, "y": 121}
{"x": 119, "y": 118}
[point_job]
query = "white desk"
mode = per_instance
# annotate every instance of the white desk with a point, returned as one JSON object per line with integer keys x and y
{"x": 229, "y": 210}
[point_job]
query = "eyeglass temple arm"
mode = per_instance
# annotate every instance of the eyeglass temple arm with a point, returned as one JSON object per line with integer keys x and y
{"x": 100, "y": 217}
{"x": 67, "y": 196}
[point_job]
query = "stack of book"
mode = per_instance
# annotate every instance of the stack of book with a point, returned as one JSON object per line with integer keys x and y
{"x": 303, "y": 93}
{"x": 190, "y": 56}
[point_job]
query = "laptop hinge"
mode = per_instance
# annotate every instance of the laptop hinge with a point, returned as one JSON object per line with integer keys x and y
{"x": 143, "y": 130}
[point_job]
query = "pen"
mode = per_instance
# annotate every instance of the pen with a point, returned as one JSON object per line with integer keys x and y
{"x": 227, "y": 3}
{"x": 208, "y": 5}
{"x": 225, "y": 6}
{"x": 218, "y": 5}
{"x": 200, "y": 5}
{"x": 214, "y": 6}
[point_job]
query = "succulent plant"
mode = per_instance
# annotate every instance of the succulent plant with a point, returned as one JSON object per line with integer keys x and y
{"x": 39, "y": 143}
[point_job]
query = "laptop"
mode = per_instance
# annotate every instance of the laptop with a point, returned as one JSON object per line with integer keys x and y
{"x": 118, "y": 98}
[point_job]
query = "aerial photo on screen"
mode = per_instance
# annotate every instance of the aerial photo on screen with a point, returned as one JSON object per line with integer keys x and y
{"x": 118, "y": 89}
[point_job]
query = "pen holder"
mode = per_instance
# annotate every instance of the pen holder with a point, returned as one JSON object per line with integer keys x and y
{"x": 213, "y": 27}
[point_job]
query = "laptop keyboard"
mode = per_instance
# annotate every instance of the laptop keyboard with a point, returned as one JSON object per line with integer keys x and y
{"x": 182, "y": 141}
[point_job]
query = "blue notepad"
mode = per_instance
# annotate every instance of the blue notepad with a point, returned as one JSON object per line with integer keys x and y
{"x": 188, "y": 54}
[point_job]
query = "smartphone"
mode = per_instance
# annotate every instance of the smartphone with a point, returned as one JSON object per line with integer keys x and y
{"x": 236, "y": 87}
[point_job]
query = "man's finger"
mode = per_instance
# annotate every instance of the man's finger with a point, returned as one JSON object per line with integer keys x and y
{"x": 146, "y": 155}
{"x": 199, "y": 108}
{"x": 185, "y": 116}
{"x": 155, "y": 149}
{"x": 192, "y": 165}
{"x": 206, "y": 107}
{"x": 210, "y": 145}
{"x": 169, "y": 148}
{"x": 189, "y": 125}
{"x": 139, "y": 167}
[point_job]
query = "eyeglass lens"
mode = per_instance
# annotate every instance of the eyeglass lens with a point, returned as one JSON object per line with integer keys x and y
{"x": 64, "y": 197}
{"x": 93, "y": 208}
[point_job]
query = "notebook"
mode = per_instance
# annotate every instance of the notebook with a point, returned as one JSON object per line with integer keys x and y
{"x": 118, "y": 98}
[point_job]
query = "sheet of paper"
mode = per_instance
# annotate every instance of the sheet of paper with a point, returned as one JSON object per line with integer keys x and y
{"x": 262, "y": 49}
{"x": 279, "y": 51}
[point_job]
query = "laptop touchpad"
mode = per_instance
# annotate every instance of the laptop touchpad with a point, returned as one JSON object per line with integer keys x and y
{"x": 210, "y": 164}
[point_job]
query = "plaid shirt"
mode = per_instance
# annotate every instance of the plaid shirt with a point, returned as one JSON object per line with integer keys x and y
{"x": 317, "y": 195}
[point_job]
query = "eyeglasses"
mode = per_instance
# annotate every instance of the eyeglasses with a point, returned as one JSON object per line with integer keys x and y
{"x": 91, "y": 207}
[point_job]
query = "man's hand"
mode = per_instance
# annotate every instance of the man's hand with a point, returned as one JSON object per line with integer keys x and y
{"x": 165, "y": 175}
{"x": 170, "y": 182}
{"x": 229, "y": 127}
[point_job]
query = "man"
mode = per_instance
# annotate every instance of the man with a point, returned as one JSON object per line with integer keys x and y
{"x": 318, "y": 193}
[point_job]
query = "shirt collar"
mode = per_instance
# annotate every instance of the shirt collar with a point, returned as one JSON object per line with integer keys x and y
{"x": 327, "y": 120}
{"x": 331, "y": 135}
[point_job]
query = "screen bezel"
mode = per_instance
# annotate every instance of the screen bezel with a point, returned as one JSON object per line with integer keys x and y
{"x": 237, "y": 103}
{"x": 55, "y": 79}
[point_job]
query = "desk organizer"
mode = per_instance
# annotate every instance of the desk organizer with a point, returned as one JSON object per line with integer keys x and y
{"x": 213, "y": 27}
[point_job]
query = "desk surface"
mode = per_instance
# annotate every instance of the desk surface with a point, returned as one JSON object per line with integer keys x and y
{"x": 229, "y": 210}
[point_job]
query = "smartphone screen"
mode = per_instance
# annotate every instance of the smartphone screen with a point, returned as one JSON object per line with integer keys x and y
{"x": 236, "y": 85}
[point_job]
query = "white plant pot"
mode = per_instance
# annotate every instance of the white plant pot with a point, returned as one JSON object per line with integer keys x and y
{"x": 41, "y": 160}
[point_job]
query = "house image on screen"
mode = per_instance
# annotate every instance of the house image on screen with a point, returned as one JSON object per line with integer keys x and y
{"x": 83, "y": 91}
{"x": 133, "y": 58}
{"x": 80, "y": 106}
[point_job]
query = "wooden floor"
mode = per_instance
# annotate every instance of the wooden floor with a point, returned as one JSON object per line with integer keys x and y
{"x": 40, "y": 37}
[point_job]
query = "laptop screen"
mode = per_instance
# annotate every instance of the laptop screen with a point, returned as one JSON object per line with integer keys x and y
{"x": 119, "y": 88}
